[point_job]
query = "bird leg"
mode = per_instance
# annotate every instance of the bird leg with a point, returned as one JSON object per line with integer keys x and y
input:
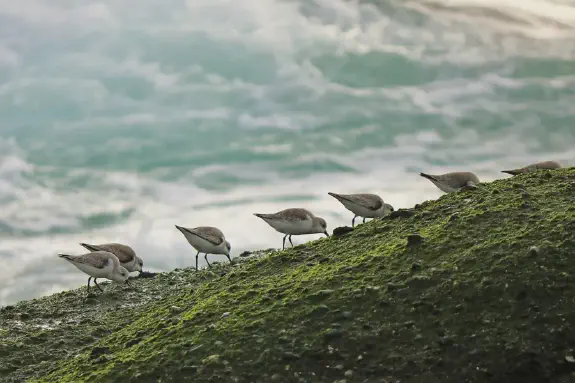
{"x": 206, "y": 258}
{"x": 290, "y": 241}
{"x": 97, "y": 285}
{"x": 353, "y": 221}
{"x": 197, "y": 254}
{"x": 89, "y": 279}
{"x": 284, "y": 242}
{"x": 363, "y": 219}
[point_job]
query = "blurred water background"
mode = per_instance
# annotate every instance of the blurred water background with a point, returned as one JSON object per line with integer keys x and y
{"x": 119, "y": 119}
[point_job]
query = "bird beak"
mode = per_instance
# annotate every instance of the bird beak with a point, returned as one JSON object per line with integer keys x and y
{"x": 326, "y": 234}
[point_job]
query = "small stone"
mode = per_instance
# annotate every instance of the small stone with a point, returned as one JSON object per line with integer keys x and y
{"x": 453, "y": 217}
{"x": 226, "y": 314}
{"x": 339, "y": 367}
{"x": 276, "y": 378}
{"x": 321, "y": 309}
{"x": 346, "y": 314}
{"x": 348, "y": 374}
{"x": 401, "y": 213}
{"x": 342, "y": 230}
{"x": 534, "y": 251}
{"x": 218, "y": 343}
{"x": 324, "y": 293}
{"x": 569, "y": 359}
{"x": 414, "y": 239}
{"x": 246, "y": 254}
{"x": 416, "y": 267}
{"x": 175, "y": 309}
{"x": 288, "y": 355}
{"x": 98, "y": 351}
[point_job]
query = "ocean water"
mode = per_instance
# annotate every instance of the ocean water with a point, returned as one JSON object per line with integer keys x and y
{"x": 119, "y": 119}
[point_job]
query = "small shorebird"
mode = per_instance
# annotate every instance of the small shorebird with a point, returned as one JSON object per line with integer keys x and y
{"x": 363, "y": 205}
{"x": 450, "y": 182}
{"x": 126, "y": 255}
{"x": 208, "y": 240}
{"x": 99, "y": 264}
{"x": 294, "y": 221}
{"x": 545, "y": 165}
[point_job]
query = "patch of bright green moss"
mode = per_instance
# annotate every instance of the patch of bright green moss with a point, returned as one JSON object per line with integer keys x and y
{"x": 487, "y": 296}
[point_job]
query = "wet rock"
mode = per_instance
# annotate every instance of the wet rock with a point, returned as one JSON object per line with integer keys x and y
{"x": 346, "y": 314}
{"x": 288, "y": 355}
{"x": 175, "y": 310}
{"x": 401, "y": 213}
{"x": 333, "y": 333}
{"x": 339, "y": 367}
{"x": 321, "y": 309}
{"x": 534, "y": 251}
{"x": 416, "y": 266}
{"x": 342, "y": 230}
{"x": 414, "y": 239}
{"x": 133, "y": 342}
{"x": 99, "y": 351}
{"x": 147, "y": 274}
{"x": 246, "y": 254}
{"x": 453, "y": 217}
{"x": 323, "y": 293}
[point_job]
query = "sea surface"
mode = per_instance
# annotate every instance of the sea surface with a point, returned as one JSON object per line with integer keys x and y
{"x": 120, "y": 119}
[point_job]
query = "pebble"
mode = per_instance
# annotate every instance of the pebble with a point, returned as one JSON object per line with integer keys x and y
{"x": 534, "y": 251}
{"x": 414, "y": 239}
{"x": 339, "y": 367}
{"x": 218, "y": 343}
{"x": 226, "y": 314}
{"x": 276, "y": 378}
{"x": 348, "y": 374}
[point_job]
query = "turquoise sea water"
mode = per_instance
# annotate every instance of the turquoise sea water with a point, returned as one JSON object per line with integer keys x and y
{"x": 119, "y": 119}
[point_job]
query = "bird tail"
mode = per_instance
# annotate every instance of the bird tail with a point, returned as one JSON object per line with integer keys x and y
{"x": 263, "y": 216}
{"x": 512, "y": 172}
{"x": 338, "y": 197}
{"x": 89, "y": 247}
{"x": 65, "y": 256}
{"x": 428, "y": 176}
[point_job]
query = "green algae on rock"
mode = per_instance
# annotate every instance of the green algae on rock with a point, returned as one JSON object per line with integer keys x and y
{"x": 482, "y": 293}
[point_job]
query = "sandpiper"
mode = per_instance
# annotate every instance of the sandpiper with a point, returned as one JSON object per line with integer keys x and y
{"x": 99, "y": 264}
{"x": 294, "y": 221}
{"x": 126, "y": 255}
{"x": 545, "y": 165}
{"x": 364, "y": 205}
{"x": 208, "y": 240}
{"x": 450, "y": 182}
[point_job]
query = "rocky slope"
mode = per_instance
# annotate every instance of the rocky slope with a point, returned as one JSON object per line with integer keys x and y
{"x": 475, "y": 287}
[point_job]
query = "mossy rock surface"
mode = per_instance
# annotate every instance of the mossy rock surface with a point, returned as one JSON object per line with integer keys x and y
{"x": 477, "y": 286}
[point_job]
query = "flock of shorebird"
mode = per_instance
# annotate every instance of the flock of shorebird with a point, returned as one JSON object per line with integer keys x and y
{"x": 115, "y": 261}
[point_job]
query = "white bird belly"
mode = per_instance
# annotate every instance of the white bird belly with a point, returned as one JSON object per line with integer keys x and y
{"x": 202, "y": 245}
{"x": 94, "y": 271}
{"x": 360, "y": 210}
{"x": 292, "y": 227}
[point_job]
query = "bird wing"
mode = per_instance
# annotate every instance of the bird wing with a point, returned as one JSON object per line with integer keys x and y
{"x": 210, "y": 234}
{"x": 369, "y": 201}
